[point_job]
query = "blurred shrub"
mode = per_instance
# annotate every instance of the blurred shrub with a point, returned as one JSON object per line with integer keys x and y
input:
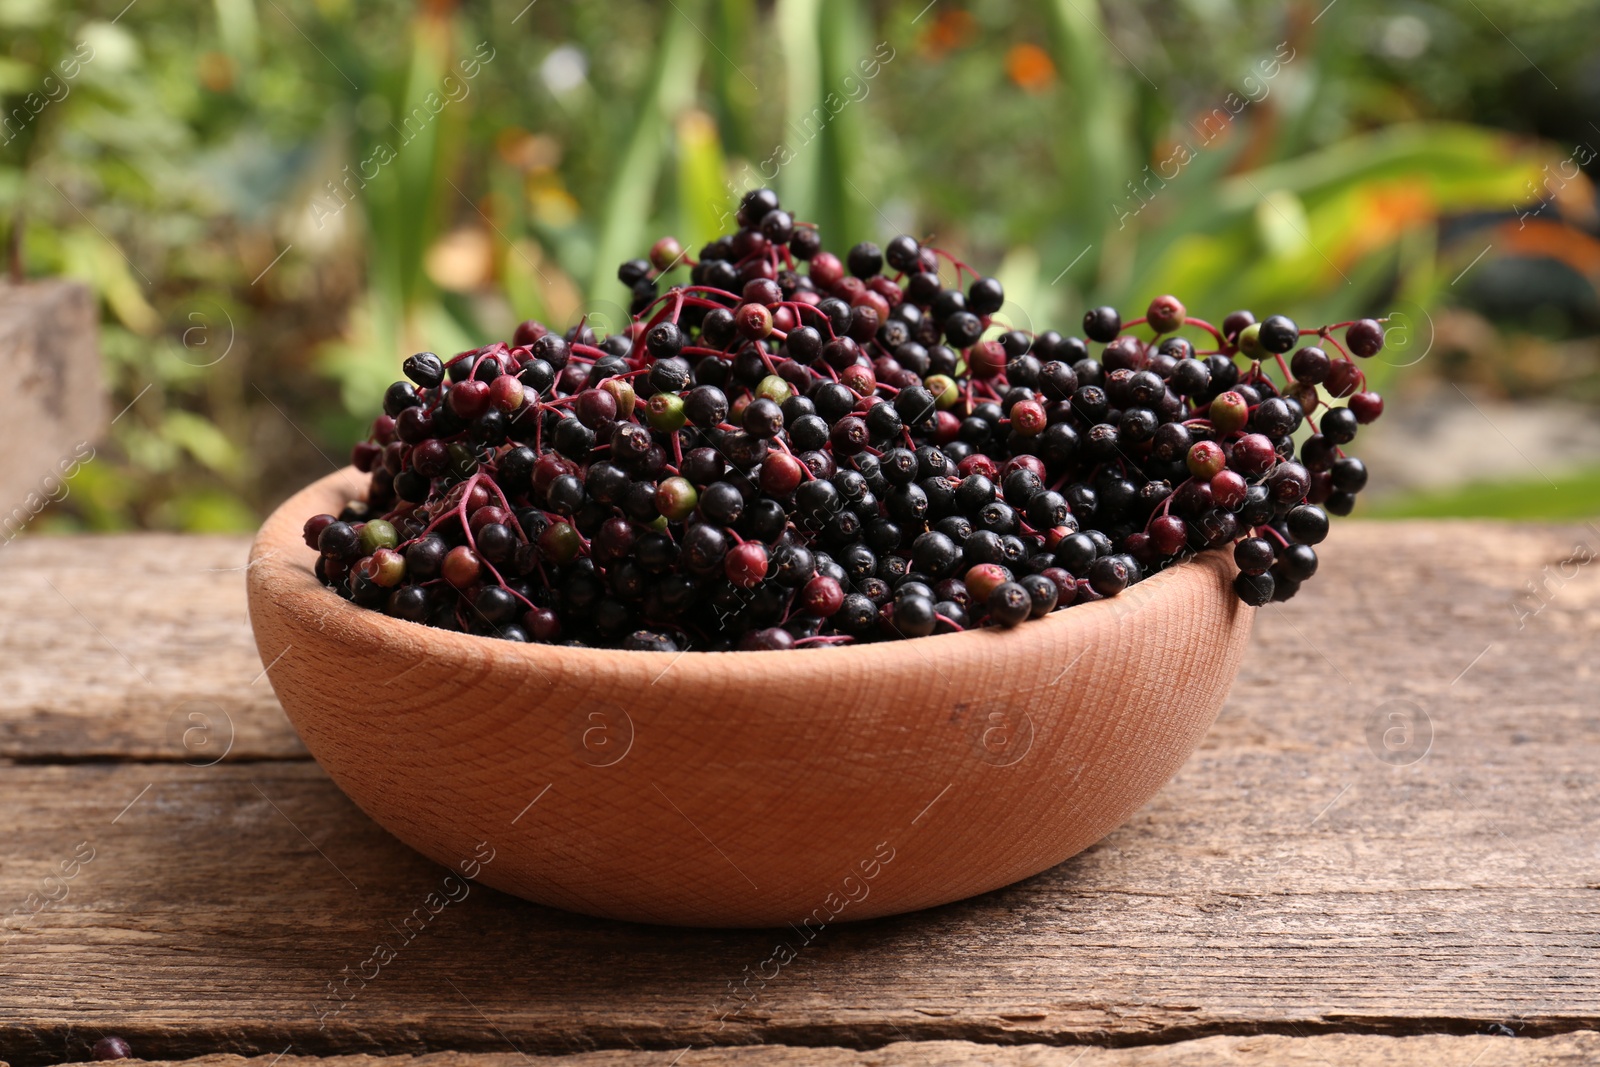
{"x": 276, "y": 200}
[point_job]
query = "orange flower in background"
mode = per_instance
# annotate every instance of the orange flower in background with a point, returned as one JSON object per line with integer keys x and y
{"x": 1029, "y": 66}
{"x": 1552, "y": 240}
{"x": 953, "y": 28}
{"x": 216, "y": 72}
{"x": 528, "y": 151}
{"x": 1386, "y": 211}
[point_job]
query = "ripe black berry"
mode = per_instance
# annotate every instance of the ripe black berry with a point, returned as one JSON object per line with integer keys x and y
{"x": 1009, "y": 604}
{"x": 1102, "y": 324}
{"x": 754, "y": 205}
{"x": 985, "y": 296}
{"x": 1254, "y": 589}
{"x": 1339, "y": 425}
{"x": 1110, "y": 575}
{"x": 902, "y": 254}
{"x": 962, "y": 328}
{"x": 1278, "y": 334}
{"x": 864, "y": 260}
{"x": 425, "y": 369}
{"x": 805, "y": 243}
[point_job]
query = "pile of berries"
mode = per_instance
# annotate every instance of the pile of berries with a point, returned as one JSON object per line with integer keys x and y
{"x": 788, "y": 450}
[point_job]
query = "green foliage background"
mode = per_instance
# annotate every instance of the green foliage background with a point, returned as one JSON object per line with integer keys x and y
{"x": 503, "y": 156}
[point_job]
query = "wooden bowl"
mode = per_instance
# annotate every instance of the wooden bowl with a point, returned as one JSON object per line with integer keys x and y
{"x": 747, "y": 788}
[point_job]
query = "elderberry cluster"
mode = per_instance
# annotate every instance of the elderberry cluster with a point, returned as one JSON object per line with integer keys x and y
{"x": 789, "y": 450}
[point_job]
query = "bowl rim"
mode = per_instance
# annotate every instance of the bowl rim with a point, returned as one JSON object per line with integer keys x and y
{"x": 275, "y": 573}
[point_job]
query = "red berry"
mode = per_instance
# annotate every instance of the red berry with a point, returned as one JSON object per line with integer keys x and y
{"x": 1321, "y": 487}
{"x": 314, "y": 527}
{"x": 1169, "y": 534}
{"x": 506, "y": 393}
{"x": 984, "y": 579}
{"x": 1252, "y": 454}
{"x": 1228, "y": 488}
{"x": 665, "y": 253}
{"x": 822, "y": 595}
{"x": 781, "y": 473}
{"x": 384, "y": 567}
{"x": 1365, "y": 337}
{"x": 826, "y": 271}
{"x": 1367, "y": 407}
{"x": 859, "y": 379}
{"x": 543, "y": 624}
{"x": 469, "y": 399}
{"x": 1066, "y": 585}
{"x": 528, "y": 332}
{"x": 364, "y": 455}
{"x": 746, "y": 564}
{"x": 1205, "y": 459}
{"x": 986, "y": 359}
{"x": 1028, "y": 418}
{"x": 1344, "y": 378}
{"x": 753, "y": 321}
{"x": 478, "y": 518}
{"x": 1025, "y": 462}
{"x": 547, "y": 469}
{"x": 978, "y": 463}
{"x": 1143, "y": 548}
{"x": 595, "y": 407}
{"x": 461, "y": 567}
{"x": 1166, "y": 313}
{"x": 886, "y": 288}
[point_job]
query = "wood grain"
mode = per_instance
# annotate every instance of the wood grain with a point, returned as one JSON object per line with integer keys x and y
{"x": 1289, "y": 882}
{"x": 54, "y": 405}
{"x": 111, "y": 644}
{"x": 1568, "y": 1050}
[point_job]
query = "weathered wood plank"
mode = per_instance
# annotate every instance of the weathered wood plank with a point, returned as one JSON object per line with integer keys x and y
{"x": 132, "y": 648}
{"x": 54, "y": 405}
{"x": 1568, "y": 1050}
{"x": 1289, "y": 882}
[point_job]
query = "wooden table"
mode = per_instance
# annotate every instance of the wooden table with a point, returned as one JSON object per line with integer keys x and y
{"x": 1387, "y": 852}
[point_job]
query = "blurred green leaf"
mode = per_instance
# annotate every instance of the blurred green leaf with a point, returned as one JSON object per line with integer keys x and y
{"x": 1095, "y": 153}
{"x": 1576, "y": 496}
{"x": 798, "y": 25}
{"x": 207, "y": 511}
{"x": 733, "y": 25}
{"x": 705, "y": 209}
{"x": 849, "y": 205}
{"x": 201, "y": 439}
{"x": 628, "y": 206}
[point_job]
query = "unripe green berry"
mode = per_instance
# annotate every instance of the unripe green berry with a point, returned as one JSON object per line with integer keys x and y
{"x": 376, "y": 534}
